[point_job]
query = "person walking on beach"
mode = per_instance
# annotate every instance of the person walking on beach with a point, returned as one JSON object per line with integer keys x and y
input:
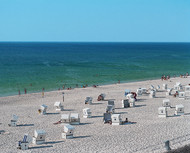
{"x": 63, "y": 95}
{"x": 43, "y": 92}
{"x": 19, "y": 92}
{"x": 63, "y": 86}
{"x": 25, "y": 91}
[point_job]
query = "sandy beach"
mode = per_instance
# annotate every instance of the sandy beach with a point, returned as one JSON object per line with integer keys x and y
{"x": 147, "y": 134}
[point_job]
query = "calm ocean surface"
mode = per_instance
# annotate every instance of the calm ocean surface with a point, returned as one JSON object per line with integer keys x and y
{"x": 51, "y": 65}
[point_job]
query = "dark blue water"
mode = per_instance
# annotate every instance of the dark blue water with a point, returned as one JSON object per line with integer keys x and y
{"x": 51, "y": 65}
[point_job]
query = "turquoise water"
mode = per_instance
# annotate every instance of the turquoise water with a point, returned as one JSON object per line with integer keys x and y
{"x": 51, "y": 65}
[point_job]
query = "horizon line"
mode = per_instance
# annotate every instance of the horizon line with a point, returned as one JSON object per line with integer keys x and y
{"x": 95, "y": 41}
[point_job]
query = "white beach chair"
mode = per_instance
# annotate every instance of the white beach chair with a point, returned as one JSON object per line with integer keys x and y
{"x": 109, "y": 109}
{"x": 65, "y": 118}
{"x": 165, "y": 86}
{"x": 87, "y": 113}
{"x": 43, "y": 109}
{"x": 139, "y": 92}
{"x": 59, "y": 106}
{"x": 125, "y": 103}
{"x": 74, "y": 119}
{"x": 111, "y": 102}
{"x": 152, "y": 94}
{"x": 116, "y": 119}
{"x": 88, "y": 100}
{"x": 169, "y": 91}
{"x": 152, "y": 87}
{"x": 157, "y": 88}
{"x": 127, "y": 91}
{"x": 187, "y": 94}
{"x": 187, "y": 88}
{"x": 132, "y": 102}
{"x": 130, "y": 96}
{"x": 107, "y": 118}
{"x": 166, "y": 103}
{"x": 39, "y": 137}
{"x": 14, "y": 121}
{"x": 181, "y": 95}
{"x": 101, "y": 97}
{"x": 68, "y": 131}
{"x": 179, "y": 110}
{"x": 162, "y": 112}
{"x": 24, "y": 144}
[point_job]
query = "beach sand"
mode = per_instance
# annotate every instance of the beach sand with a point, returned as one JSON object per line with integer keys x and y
{"x": 148, "y": 134}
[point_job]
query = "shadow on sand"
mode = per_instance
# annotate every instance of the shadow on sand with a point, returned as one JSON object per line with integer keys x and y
{"x": 38, "y": 147}
{"x": 80, "y": 137}
{"x": 68, "y": 110}
{"x": 141, "y": 100}
{"x": 128, "y": 123}
{"x": 52, "y": 113}
{"x": 84, "y": 123}
{"x": 107, "y": 99}
{"x": 53, "y": 142}
{"x": 96, "y": 103}
{"x": 96, "y": 116}
{"x": 139, "y": 105}
{"x": 25, "y": 125}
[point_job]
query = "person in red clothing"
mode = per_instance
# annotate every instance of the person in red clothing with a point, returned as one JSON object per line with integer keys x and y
{"x": 135, "y": 95}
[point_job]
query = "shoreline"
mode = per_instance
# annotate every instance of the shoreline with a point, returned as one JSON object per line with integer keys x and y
{"x": 98, "y": 85}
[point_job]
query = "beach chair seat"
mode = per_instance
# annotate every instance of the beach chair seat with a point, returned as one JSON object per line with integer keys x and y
{"x": 187, "y": 88}
{"x": 166, "y": 103}
{"x": 107, "y": 118}
{"x": 181, "y": 95}
{"x": 39, "y": 137}
{"x": 101, "y": 97}
{"x": 111, "y": 102}
{"x": 14, "y": 121}
{"x": 110, "y": 109}
{"x": 127, "y": 91}
{"x": 164, "y": 86}
{"x": 152, "y": 87}
{"x": 162, "y": 112}
{"x": 59, "y": 106}
{"x": 65, "y": 118}
{"x": 74, "y": 119}
{"x": 152, "y": 94}
{"x": 43, "y": 109}
{"x": 87, "y": 113}
{"x": 157, "y": 88}
{"x": 187, "y": 94}
{"x": 68, "y": 131}
{"x": 116, "y": 119}
{"x": 139, "y": 92}
{"x": 88, "y": 100}
{"x": 24, "y": 144}
{"x": 125, "y": 103}
{"x": 179, "y": 110}
{"x": 169, "y": 91}
{"x": 144, "y": 90}
{"x": 132, "y": 102}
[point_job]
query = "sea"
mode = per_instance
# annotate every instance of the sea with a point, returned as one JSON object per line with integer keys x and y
{"x": 50, "y": 65}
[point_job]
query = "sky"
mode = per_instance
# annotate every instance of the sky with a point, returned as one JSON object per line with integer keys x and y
{"x": 95, "y": 20}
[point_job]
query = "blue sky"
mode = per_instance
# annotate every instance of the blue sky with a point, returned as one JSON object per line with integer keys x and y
{"x": 95, "y": 20}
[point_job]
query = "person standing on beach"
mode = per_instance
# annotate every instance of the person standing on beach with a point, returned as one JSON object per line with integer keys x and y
{"x": 19, "y": 92}
{"x": 63, "y": 95}
{"x": 25, "y": 91}
{"x": 43, "y": 92}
